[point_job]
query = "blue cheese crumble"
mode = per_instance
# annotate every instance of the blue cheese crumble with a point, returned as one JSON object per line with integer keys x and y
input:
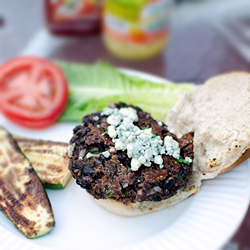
{"x": 160, "y": 123}
{"x": 142, "y": 146}
{"x": 106, "y": 154}
{"x": 96, "y": 118}
{"x": 188, "y": 159}
{"x": 172, "y": 147}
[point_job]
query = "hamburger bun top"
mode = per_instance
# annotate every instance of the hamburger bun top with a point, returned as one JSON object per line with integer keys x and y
{"x": 219, "y": 114}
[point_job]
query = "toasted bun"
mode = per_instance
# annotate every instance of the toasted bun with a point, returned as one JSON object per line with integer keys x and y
{"x": 218, "y": 112}
{"x": 139, "y": 208}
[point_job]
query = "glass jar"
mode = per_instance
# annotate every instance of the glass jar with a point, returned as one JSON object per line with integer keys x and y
{"x": 136, "y": 29}
{"x": 73, "y": 17}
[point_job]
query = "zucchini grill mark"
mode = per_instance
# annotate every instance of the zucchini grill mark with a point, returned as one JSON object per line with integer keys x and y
{"x": 49, "y": 159}
{"x": 22, "y": 197}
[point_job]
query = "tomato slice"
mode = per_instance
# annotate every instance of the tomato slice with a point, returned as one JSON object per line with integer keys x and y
{"x": 31, "y": 124}
{"x": 33, "y": 91}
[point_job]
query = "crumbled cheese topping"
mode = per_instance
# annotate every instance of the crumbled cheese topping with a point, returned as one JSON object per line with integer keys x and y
{"x": 188, "y": 159}
{"x": 106, "y": 154}
{"x": 172, "y": 147}
{"x": 107, "y": 111}
{"x": 142, "y": 146}
{"x": 111, "y": 131}
{"x": 160, "y": 123}
{"x": 96, "y": 118}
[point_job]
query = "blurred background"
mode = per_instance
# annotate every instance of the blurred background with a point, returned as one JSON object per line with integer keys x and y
{"x": 183, "y": 41}
{"x": 205, "y": 38}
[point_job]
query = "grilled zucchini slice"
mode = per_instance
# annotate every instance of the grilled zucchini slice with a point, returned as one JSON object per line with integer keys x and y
{"x": 23, "y": 199}
{"x": 49, "y": 159}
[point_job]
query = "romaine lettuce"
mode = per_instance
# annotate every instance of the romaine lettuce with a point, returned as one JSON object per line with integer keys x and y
{"x": 92, "y": 87}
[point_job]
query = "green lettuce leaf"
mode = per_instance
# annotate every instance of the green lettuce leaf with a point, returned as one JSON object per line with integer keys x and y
{"x": 92, "y": 87}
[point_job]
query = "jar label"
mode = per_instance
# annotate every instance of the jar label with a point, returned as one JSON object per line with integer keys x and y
{"x": 142, "y": 23}
{"x": 72, "y": 10}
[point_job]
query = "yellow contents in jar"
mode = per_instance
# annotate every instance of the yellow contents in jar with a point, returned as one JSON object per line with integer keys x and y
{"x": 136, "y": 29}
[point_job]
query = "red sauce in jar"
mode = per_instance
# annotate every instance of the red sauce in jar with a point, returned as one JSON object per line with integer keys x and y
{"x": 73, "y": 17}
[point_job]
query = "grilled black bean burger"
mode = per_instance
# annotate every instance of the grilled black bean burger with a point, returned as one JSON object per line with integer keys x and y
{"x": 130, "y": 163}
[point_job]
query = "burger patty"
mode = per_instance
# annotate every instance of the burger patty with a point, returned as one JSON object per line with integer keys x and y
{"x": 112, "y": 177}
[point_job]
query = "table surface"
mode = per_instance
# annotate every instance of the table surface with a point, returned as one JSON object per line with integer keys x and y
{"x": 206, "y": 38}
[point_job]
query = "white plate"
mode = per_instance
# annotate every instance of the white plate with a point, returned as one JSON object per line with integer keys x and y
{"x": 204, "y": 221}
